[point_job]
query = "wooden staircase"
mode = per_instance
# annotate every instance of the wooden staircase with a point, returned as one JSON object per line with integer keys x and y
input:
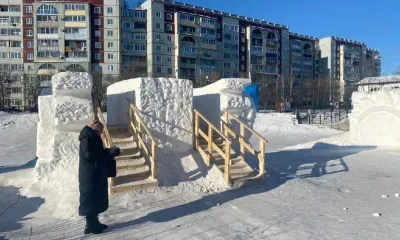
{"x": 133, "y": 171}
{"x": 239, "y": 170}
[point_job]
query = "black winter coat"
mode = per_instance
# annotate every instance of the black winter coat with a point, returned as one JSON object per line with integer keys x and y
{"x": 93, "y": 185}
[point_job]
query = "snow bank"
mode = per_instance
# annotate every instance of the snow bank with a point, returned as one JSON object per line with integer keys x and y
{"x": 227, "y": 94}
{"x": 74, "y": 84}
{"x": 71, "y": 114}
{"x": 375, "y": 119}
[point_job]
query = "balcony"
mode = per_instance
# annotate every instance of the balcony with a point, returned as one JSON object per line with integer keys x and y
{"x": 307, "y": 52}
{"x": 269, "y": 69}
{"x": 47, "y": 36}
{"x": 75, "y": 36}
{"x": 48, "y": 48}
{"x": 256, "y": 35}
{"x": 272, "y": 43}
{"x": 76, "y": 55}
{"x": 187, "y": 51}
{"x": 207, "y": 35}
{"x": 76, "y": 59}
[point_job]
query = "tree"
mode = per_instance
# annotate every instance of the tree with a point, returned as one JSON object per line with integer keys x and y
{"x": 32, "y": 88}
{"x": 6, "y": 81}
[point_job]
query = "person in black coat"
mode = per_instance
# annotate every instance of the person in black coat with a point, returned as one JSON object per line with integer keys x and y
{"x": 93, "y": 185}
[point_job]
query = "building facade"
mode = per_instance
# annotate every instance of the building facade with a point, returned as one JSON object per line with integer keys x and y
{"x": 164, "y": 39}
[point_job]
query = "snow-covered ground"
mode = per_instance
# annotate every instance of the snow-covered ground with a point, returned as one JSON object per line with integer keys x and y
{"x": 319, "y": 186}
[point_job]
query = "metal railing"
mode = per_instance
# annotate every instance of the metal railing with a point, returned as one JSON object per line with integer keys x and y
{"x": 241, "y": 138}
{"x": 209, "y": 138}
{"x": 139, "y": 128}
{"x": 321, "y": 116}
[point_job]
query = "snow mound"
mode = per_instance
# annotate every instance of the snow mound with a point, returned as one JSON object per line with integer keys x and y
{"x": 375, "y": 119}
{"x": 74, "y": 84}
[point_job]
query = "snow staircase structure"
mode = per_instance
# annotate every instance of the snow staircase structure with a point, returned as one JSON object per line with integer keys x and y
{"x": 215, "y": 146}
{"x": 136, "y": 164}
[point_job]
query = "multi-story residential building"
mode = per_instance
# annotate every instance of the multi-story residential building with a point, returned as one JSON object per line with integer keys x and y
{"x": 202, "y": 44}
{"x": 345, "y": 62}
{"x": 167, "y": 39}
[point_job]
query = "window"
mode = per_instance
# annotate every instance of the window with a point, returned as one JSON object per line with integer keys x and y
{"x": 243, "y": 30}
{"x": 97, "y": 21}
{"x": 186, "y": 17}
{"x": 208, "y": 41}
{"x": 158, "y": 36}
{"x": 97, "y": 33}
{"x": 169, "y": 27}
{"x": 110, "y": 56}
{"x": 3, "y": 55}
{"x": 158, "y": 48}
{"x": 16, "y": 90}
{"x": 28, "y": 33}
{"x": 169, "y": 38}
{"x": 29, "y": 9}
{"x": 169, "y": 70}
{"x": 97, "y": 56}
{"x": 235, "y": 37}
{"x": 140, "y": 36}
{"x": 15, "y": 43}
{"x": 242, "y": 67}
{"x": 169, "y": 49}
{"x": 208, "y": 31}
{"x": 109, "y": 10}
{"x": 159, "y": 69}
{"x": 4, "y": 32}
{"x": 76, "y": 6}
{"x": 170, "y": 60}
{"x": 158, "y": 25}
{"x": 158, "y": 14}
{"x": 97, "y": 44}
{"x": 227, "y": 65}
{"x": 242, "y": 39}
{"x": 110, "y": 68}
{"x": 47, "y": 9}
{"x": 97, "y": 10}
{"x": 75, "y": 18}
{"x": 14, "y": 55}
{"x": 227, "y": 36}
{"x": 3, "y": 43}
{"x": 15, "y": 32}
{"x": 207, "y": 20}
{"x": 29, "y": 56}
{"x": 110, "y": 45}
{"x": 29, "y": 21}
{"x": 169, "y": 16}
{"x": 109, "y": 33}
{"x": 109, "y": 21}
{"x": 159, "y": 59}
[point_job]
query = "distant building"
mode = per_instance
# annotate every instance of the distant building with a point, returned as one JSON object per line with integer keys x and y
{"x": 373, "y": 84}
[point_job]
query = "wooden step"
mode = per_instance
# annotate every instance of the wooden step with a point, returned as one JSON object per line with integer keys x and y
{"x": 239, "y": 170}
{"x": 130, "y": 186}
{"x": 133, "y": 156}
{"x": 130, "y": 164}
{"x": 132, "y": 174}
{"x": 129, "y": 150}
{"x": 125, "y": 143}
{"x": 235, "y": 162}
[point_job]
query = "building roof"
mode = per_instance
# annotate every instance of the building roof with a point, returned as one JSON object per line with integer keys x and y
{"x": 292, "y": 34}
{"x": 379, "y": 80}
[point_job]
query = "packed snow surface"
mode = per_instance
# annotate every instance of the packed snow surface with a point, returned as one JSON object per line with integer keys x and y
{"x": 71, "y": 113}
{"x": 329, "y": 188}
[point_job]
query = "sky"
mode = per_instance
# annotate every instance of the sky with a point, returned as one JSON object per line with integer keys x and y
{"x": 375, "y": 22}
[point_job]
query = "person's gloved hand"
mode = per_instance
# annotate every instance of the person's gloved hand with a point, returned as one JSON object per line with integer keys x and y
{"x": 115, "y": 151}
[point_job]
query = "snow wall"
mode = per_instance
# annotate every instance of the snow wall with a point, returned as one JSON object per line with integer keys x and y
{"x": 375, "y": 118}
{"x": 165, "y": 105}
{"x": 61, "y": 117}
{"x": 227, "y": 94}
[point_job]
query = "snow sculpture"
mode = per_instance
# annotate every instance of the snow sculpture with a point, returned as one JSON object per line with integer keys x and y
{"x": 375, "y": 118}
{"x": 226, "y": 94}
{"x": 61, "y": 117}
{"x": 165, "y": 105}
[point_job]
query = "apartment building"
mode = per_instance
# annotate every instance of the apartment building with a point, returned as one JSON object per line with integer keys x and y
{"x": 163, "y": 38}
{"x": 346, "y": 62}
{"x": 202, "y": 44}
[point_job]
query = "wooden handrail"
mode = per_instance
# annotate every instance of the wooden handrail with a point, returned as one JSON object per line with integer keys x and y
{"x": 226, "y": 155}
{"x": 106, "y": 138}
{"x": 139, "y": 118}
{"x": 242, "y": 140}
{"x": 230, "y": 115}
{"x": 137, "y": 129}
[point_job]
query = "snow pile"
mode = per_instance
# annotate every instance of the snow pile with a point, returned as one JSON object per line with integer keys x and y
{"x": 227, "y": 94}
{"x": 375, "y": 119}
{"x": 61, "y": 117}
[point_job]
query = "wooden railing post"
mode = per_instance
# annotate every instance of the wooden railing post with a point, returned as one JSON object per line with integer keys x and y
{"x": 226, "y": 117}
{"x": 261, "y": 157}
{"x": 227, "y": 162}
{"x": 210, "y": 142}
{"x": 153, "y": 162}
{"x": 196, "y": 130}
{"x": 242, "y": 138}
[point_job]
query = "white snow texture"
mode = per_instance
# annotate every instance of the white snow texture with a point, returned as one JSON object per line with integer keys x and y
{"x": 61, "y": 117}
{"x": 165, "y": 105}
{"x": 74, "y": 84}
{"x": 375, "y": 118}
